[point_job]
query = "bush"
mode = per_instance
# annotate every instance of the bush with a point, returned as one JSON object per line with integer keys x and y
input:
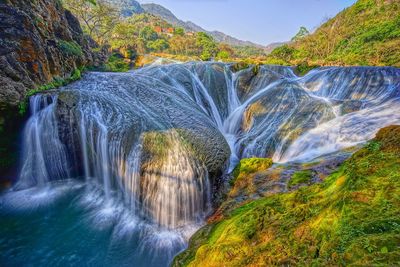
{"x": 116, "y": 63}
{"x": 70, "y": 48}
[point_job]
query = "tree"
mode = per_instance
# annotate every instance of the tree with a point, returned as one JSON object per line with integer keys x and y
{"x": 179, "y": 31}
{"x": 284, "y": 52}
{"x": 207, "y": 45}
{"x": 225, "y": 51}
{"x": 183, "y": 45}
{"x": 303, "y": 32}
{"x": 158, "y": 45}
{"x": 98, "y": 18}
{"x": 148, "y": 34}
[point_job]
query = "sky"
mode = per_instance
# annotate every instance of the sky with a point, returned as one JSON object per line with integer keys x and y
{"x": 259, "y": 21}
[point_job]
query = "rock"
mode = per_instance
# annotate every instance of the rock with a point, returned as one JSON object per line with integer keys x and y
{"x": 35, "y": 39}
{"x": 39, "y": 40}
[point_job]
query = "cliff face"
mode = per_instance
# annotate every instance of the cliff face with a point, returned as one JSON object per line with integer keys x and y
{"x": 39, "y": 41}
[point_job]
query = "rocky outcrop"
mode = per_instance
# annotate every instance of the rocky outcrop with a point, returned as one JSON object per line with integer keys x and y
{"x": 39, "y": 41}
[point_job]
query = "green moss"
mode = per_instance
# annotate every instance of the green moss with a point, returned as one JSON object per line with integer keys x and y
{"x": 350, "y": 219}
{"x": 249, "y": 166}
{"x": 300, "y": 177}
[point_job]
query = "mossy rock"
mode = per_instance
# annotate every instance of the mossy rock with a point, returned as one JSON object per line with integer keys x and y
{"x": 300, "y": 177}
{"x": 351, "y": 218}
{"x": 244, "y": 174}
{"x": 251, "y": 165}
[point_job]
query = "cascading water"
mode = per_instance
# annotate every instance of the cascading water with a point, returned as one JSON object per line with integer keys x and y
{"x": 45, "y": 157}
{"x": 118, "y": 169}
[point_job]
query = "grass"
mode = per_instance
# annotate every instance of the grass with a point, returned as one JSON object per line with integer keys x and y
{"x": 352, "y": 218}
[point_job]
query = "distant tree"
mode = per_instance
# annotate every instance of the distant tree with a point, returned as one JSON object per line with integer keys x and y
{"x": 124, "y": 36}
{"x": 303, "y": 32}
{"x": 207, "y": 45}
{"x": 158, "y": 45}
{"x": 225, "y": 51}
{"x": 179, "y": 31}
{"x": 184, "y": 45}
{"x": 148, "y": 34}
{"x": 284, "y": 52}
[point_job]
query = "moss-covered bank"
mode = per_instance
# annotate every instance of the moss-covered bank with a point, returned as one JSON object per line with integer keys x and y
{"x": 351, "y": 218}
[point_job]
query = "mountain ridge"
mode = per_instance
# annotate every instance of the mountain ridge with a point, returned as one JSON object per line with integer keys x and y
{"x": 166, "y": 14}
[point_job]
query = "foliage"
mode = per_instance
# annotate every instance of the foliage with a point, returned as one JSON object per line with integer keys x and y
{"x": 249, "y": 52}
{"x": 98, "y": 18}
{"x": 367, "y": 33}
{"x": 147, "y": 34}
{"x": 284, "y": 52}
{"x": 207, "y": 45}
{"x": 303, "y": 32}
{"x": 158, "y": 45}
{"x": 303, "y": 68}
{"x": 70, "y": 48}
{"x": 350, "y": 219}
{"x": 179, "y": 31}
{"x": 57, "y": 82}
{"x": 116, "y": 63}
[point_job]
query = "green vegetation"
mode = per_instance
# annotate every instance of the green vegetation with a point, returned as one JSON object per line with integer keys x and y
{"x": 303, "y": 32}
{"x": 57, "y": 82}
{"x": 367, "y": 33}
{"x": 251, "y": 165}
{"x": 116, "y": 63}
{"x": 300, "y": 177}
{"x": 303, "y": 68}
{"x": 243, "y": 174}
{"x": 70, "y": 48}
{"x": 352, "y": 218}
{"x": 146, "y": 33}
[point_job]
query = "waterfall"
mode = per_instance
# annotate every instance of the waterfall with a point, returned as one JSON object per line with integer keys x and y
{"x": 150, "y": 145}
{"x": 44, "y": 156}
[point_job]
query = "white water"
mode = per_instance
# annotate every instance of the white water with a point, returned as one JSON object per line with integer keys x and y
{"x": 134, "y": 154}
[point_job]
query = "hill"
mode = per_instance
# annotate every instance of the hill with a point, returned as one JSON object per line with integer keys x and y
{"x": 127, "y": 7}
{"x": 218, "y": 36}
{"x": 367, "y": 33}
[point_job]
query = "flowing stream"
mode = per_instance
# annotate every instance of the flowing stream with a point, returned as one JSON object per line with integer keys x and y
{"x": 120, "y": 169}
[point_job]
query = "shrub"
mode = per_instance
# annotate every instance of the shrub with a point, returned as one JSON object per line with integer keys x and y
{"x": 70, "y": 48}
{"x": 116, "y": 63}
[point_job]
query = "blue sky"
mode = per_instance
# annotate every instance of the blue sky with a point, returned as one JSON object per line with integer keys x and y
{"x": 260, "y": 21}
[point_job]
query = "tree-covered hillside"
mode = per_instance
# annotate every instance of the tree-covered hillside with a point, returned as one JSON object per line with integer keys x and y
{"x": 367, "y": 33}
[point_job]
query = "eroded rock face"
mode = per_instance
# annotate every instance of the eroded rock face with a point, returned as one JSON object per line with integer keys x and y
{"x": 37, "y": 38}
